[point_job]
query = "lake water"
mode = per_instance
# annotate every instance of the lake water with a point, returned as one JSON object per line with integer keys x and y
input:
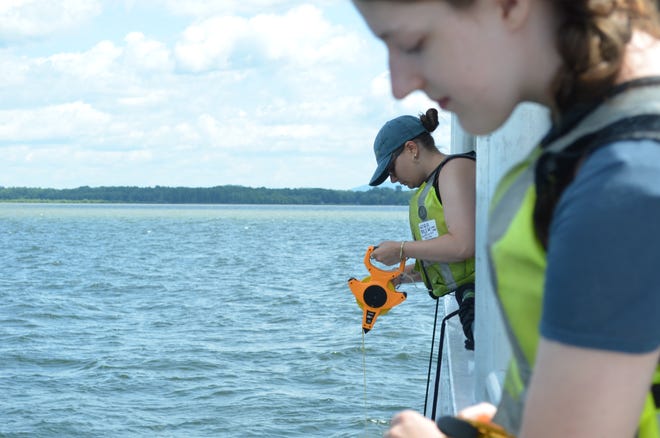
{"x": 201, "y": 321}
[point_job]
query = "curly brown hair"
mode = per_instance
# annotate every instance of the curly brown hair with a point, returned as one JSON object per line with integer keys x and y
{"x": 591, "y": 41}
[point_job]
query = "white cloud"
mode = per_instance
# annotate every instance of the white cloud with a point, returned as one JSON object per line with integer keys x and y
{"x": 13, "y": 69}
{"x": 301, "y": 36}
{"x": 380, "y": 85}
{"x": 51, "y": 123}
{"x": 144, "y": 98}
{"x": 97, "y": 62}
{"x": 147, "y": 54}
{"x": 209, "y": 44}
{"x": 37, "y": 18}
{"x": 205, "y": 8}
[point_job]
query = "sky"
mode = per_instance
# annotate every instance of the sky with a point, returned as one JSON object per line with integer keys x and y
{"x": 194, "y": 93}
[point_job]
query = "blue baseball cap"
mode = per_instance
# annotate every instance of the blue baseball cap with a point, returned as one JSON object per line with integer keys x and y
{"x": 390, "y": 138}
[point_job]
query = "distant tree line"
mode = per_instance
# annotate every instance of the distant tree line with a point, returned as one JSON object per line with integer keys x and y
{"x": 230, "y": 194}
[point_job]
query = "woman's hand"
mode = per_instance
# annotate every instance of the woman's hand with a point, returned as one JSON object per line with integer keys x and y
{"x": 387, "y": 253}
{"x": 415, "y": 425}
{"x": 482, "y": 412}
{"x": 412, "y": 424}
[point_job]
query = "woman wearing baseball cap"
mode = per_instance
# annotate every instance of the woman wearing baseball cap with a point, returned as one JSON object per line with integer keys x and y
{"x": 442, "y": 211}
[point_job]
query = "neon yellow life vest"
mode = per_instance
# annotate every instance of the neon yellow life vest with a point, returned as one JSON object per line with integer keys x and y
{"x": 426, "y": 213}
{"x": 518, "y": 260}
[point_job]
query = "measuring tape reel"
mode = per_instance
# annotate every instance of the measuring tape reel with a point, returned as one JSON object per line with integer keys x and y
{"x": 464, "y": 428}
{"x": 376, "y": 294}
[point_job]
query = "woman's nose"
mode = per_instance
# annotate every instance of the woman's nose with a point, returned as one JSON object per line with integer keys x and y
{"x": 403, "y": 76}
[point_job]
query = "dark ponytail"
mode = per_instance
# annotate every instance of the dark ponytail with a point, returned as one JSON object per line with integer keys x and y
{"x": 430, "y": 122}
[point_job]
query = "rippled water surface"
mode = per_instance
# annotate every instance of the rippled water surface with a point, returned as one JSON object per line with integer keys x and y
{"x": 192, "y": 321}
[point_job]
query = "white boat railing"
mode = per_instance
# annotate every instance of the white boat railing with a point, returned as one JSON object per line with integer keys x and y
{"x": 468, "y": 377}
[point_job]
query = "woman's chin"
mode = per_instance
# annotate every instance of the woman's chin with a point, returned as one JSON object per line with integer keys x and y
{"x": 481, "y": 125}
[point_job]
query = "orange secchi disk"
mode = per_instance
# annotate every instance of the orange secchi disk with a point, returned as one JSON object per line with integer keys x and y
{"x": 376, "y": 294}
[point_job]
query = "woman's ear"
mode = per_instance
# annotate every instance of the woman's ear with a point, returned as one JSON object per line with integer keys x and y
{"x": 412, "y": 147}
{"x": 514, "y": 13}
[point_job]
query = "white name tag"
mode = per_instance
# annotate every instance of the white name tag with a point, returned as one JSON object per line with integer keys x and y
{"x": 428, "y": 230}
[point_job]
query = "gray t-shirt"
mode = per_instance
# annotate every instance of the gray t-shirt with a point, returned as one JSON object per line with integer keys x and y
{"x": 603, "y": 276}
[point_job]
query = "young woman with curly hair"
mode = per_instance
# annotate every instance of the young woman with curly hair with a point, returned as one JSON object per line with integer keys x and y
{"x": 575, "y": 234}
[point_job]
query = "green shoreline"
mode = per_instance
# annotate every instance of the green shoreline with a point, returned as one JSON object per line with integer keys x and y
{"x": 205, "y": 195}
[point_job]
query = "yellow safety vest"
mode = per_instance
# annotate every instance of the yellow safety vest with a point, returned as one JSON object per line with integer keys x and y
{"x": 426, "y": 213}
{"x": 518, "y": 259}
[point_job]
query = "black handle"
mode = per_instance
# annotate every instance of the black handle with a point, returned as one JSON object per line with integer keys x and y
{"x": 456, "y": 428}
